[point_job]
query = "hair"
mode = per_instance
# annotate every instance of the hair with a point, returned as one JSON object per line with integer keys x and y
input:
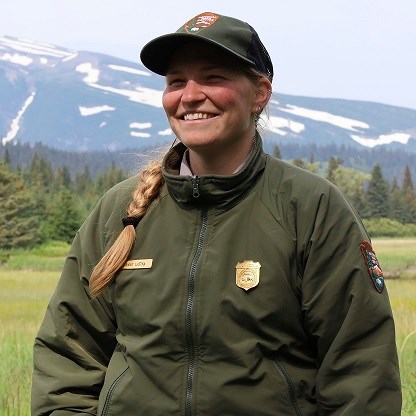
{"x": 147, "y": 191}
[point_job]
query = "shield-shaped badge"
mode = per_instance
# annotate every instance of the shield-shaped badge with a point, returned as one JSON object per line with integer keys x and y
{"x": 247, "y": 274}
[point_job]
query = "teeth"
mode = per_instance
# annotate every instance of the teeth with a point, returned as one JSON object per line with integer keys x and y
{"x": 196, "y": 116}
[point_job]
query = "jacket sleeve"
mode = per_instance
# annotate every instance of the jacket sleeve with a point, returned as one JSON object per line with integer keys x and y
{"x": 77, "y": 337}
{"x": 348, "y": 319}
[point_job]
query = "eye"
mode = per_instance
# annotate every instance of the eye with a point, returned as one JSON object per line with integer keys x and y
{"x": 174, "y": 82}
{"x": 215, "y": 78}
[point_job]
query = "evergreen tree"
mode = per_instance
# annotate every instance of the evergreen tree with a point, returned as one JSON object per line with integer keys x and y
{"x": 108, "y": 179}
{"x": 276, "y": 152}
{"x": 407, "y": 180}
{"x": 333, "y": 164}
{"x": 6, "y": 157}
{"x": 18, "y": 222}
{"x": 63, "y": 178}
{"x": 408, "y": 198}
{"x": 377, "y": 195}
{"x": 85, "y": 191}
{"x": 40, "y": 179}
{"x": 409, "y": 206}
{"x": 83, "y": 182}
{"x": 40, "y": 174}
{"x": 396, "y": 204}
{"x": 63, "y": 217}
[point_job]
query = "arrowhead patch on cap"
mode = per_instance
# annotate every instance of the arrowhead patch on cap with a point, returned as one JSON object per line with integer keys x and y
{"x": 200, "y": 22}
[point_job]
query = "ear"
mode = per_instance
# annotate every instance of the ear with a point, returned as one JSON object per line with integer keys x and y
{"x": 263, "y": 94}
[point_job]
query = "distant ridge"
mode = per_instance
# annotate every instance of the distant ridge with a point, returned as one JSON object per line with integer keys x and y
{"x": 77, "y": 100}
{"x": 64, "y": 101}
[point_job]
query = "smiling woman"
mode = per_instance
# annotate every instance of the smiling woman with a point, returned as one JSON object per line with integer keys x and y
{"x": 235, "y": 284}
{"x": 203, "y": 104}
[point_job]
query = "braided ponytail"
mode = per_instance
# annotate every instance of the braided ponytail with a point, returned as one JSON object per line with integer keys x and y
{"x": 148, "y": 189}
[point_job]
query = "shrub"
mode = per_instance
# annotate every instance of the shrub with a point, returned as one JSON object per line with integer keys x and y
{"x": 385, "y": 227}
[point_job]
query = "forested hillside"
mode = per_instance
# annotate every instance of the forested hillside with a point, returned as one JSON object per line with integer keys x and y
{"x": 393, "y": 161}
{"x": 42, "y": 200}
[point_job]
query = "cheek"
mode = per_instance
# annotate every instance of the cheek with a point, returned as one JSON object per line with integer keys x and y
{"x": 241, "y": 98}
{"x": 169, "y": 102}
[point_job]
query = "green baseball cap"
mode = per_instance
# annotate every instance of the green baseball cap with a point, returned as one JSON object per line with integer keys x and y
{"x": 231, "y": 35}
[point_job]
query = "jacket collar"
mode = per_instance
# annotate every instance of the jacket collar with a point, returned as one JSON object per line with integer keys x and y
{"x": 211, "y": 191}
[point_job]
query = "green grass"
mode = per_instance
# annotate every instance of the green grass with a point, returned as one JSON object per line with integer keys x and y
{"x": 403, "y": 301}
{"x": 27, "y": 287}
{"x": 397, "y": 256}
{"x": 23, "y": 300}
{"x": 45, "y": 257}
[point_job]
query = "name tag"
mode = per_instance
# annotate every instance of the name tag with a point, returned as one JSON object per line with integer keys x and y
{"x": 138, "y": 264}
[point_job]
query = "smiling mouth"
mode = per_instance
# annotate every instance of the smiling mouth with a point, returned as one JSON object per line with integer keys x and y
{"x": 197, "y": 116}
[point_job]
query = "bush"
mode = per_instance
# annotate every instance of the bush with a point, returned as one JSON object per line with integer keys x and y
{"x": 385, "y": 227}
{"x": 4, "y": 256}
{"x": 51, "y": 249}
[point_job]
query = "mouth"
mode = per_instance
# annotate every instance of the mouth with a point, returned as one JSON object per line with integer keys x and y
{"x": 197, "y": 116}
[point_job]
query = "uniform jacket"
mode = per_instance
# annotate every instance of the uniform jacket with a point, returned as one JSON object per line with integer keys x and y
{"x": 175, "y": 335}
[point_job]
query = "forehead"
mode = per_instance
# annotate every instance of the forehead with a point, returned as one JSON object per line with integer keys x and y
{"x": 199, "y": 53}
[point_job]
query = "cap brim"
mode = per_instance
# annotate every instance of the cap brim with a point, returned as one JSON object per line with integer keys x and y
{"x": 156, "y": 54}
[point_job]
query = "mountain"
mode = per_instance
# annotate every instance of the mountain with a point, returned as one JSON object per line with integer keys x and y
{"x": 79, "y": 100}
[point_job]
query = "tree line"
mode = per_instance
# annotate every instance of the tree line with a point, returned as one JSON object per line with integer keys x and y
{"x": 372, "y": 196}
{"x": 39, "y": 203}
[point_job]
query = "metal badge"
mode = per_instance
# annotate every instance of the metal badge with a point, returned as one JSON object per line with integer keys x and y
{"x": 247, "y": 274}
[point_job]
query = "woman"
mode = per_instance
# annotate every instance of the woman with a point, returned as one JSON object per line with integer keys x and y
{"x": 235, "y": 285}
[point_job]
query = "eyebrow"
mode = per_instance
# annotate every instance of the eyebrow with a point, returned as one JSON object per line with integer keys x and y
{"x": 204, "y": 68}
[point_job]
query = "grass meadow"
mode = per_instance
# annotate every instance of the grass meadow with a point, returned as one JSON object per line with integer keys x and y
{"x": 28, "y": 279}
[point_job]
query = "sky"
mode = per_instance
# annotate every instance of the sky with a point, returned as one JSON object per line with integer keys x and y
{"x": 352, "y": 49}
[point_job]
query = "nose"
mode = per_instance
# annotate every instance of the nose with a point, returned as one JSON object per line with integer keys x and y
{"x": 192, "y": 92}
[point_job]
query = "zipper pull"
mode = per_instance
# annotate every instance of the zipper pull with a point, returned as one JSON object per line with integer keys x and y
{"x": 195, "y": 186}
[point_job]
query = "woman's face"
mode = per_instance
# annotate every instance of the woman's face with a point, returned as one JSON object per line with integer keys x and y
{"x": 209, "y": 101}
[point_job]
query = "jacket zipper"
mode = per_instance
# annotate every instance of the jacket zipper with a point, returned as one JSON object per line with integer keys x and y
{"x": 290, "y": 387}
{"x": 110, "y": 392}
{"x": 195, "y": 186}
{"x": 189, "y": 318}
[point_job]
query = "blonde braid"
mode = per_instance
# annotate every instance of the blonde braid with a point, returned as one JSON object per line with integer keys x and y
{"x": 148, "y": 189}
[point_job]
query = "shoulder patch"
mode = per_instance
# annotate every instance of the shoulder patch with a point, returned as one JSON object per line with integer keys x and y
{"x": 373, "y": 266}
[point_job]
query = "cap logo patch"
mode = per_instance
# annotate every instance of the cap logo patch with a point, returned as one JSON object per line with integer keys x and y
{"x": 373, "y": 266}
{"x": 201, "y": 22}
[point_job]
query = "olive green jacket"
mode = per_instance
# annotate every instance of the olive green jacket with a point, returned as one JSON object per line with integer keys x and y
{"x": 245, "y": 295}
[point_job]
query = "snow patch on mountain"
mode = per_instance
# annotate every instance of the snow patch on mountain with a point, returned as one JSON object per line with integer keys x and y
{"x": 70, "y": 57}
{"x": 140, "y": 125}
{"x": 275, "y": 125}
{"x": 14, "y": 128}
{"x": 34, "y": 48}
{"x": 139, "y": 94}
{"x": 339, "y": 121}
{"x": 382, "y": 139}
{"x": 89, "y": 111}
{"x": 129, "y": 70}
{"x": 93, "y": 74}
{"x": 16, "y": 59}
{"x": 166, "y": 132}
{"x": 139, "y": 134}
